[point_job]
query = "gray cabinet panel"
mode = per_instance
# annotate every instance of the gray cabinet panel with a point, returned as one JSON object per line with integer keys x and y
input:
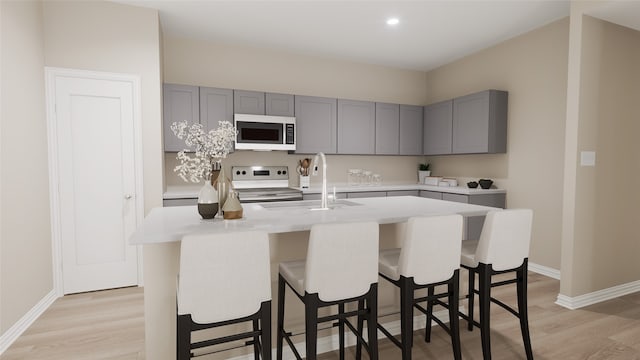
{"x": 316, "y": 121}
{"x": 279, "y": 104}
{"x": 179, "y": 202}
{"x": 438, "y": 128}
{"x": 248, "y": 102}
{"x": 356, "y": 127}
{"x": 455, "y": 197}
{"x": 387, "y": 129}
{"x": 215, "y": 105}
{"x": 480, "y": 123}
{"x": 339, "y": 195}
{"x": 180, "y": 102}
{"x": 411, "y": 124}
{"x": 366, "y": 194}
{"x": 403, "y": 193}
{"x": 431, "y": 194}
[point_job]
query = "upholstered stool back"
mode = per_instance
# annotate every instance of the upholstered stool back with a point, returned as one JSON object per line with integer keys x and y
{"x": 223, "y": 276}
{"x": 342, "y": 260}
{"x": 504, "y": 241}
{"x": 431, "y": 249}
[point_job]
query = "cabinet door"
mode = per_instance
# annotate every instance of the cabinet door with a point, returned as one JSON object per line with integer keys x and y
{"x": 279, "y": 104}
{"x": 179, "y": 202}
{"x": 215, "y": 105}
{"x": 455, "y": 198}
{"x": 248, "y": 102}
{"x": 480, "y": 123}
{"x": 179, "y": 103}
{"x": 437, "y": 128}
{"x": 317, "y": 196}
{"x": 356, "y": 127}
{"x": 366, "y": 194}
{"x": 387, "y": 129}
{"x": 431, "y": 194}
{"x": 411, "y": 124}
{"x": 403, "y": 193}
{"x": 316, "y": 120}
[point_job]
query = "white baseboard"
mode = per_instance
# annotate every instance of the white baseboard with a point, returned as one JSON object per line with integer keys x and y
{"x": 597, "y": 296}
{"x": 23, "y": 324}
{"x": 331, "y": 342}
{"x": 545, "y": 270}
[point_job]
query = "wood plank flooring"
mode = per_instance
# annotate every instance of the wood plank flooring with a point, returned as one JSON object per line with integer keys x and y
{"x": 110, "y": 325}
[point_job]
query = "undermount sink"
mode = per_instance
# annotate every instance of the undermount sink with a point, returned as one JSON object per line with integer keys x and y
{"x": 306, "y": 205}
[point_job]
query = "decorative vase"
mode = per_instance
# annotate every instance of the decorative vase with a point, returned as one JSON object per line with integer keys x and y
{"x": 223, "y": 185}
{"x": 232, "y": 208}
{"x": 423, "y": 174}
{"x": 208, "y": 201}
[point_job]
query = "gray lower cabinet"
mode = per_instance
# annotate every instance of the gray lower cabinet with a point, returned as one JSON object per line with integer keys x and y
{"x": 316, "y": 121}
{"x": 387, "y": 129}
{"x": 411, "y": 124}
{"x": 438, "y": 122}
{"x": 248, "y": 102}
{"x": 340, "y": 195}
{"x": 475, "y": 223}
{"x": 403, "y": 193}
{"x": 279, "y": 104}
{"x": 215, "y": 105}
{"x": 356, "y": 127}
{"x": 179, "y": 202}
{"x": 480, "y": 123}
{"x": 180, "y": 103}
{"x": 431, "y": 194}
{"x": 366, "y": 194}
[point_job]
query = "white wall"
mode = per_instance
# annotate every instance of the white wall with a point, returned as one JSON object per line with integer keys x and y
{"x": 25, "y": 233}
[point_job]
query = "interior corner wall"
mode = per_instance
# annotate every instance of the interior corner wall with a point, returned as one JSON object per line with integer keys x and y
{"x": 25, "y": 232}
{"x": 110, "y": 37}
{"x": 533, "y": 69}
{"x": 605, "y": 241}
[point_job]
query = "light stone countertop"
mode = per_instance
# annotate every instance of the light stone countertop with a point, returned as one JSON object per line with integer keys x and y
{"x": 170, "y": 224}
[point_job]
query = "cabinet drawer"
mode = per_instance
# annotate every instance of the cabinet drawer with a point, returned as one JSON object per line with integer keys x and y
{"x": 431, "y": 194}
{"x": 318, "y": 196}
{"x": 366, "y": 194}
{"x": 455, "y": 198}
{"x": 179, "y": 202}
{"x": 403, "y": 193}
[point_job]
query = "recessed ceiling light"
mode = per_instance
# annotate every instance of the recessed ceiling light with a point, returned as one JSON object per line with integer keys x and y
{"x": 393, "y": 21}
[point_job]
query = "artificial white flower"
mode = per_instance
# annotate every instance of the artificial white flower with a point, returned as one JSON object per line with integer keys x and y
{"x": 210, "y": 148}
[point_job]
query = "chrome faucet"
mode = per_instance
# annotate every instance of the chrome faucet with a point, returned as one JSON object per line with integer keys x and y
{"x": 323, "y": 203}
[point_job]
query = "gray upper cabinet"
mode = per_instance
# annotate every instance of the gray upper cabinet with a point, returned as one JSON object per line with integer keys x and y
{"x": 387, "y": 129}
{"x": 248, "y": 102}
{"x": 316, "y": 121}
{"x": 356, "y": 127}
{"x": 279, "y": 104}
{"x": 215, "y": 105}
{"x": 410, "y": 130}
{"x": 180, "y": 102}
{"x": 438, "y": 121}
{"x": 480, "y": 123}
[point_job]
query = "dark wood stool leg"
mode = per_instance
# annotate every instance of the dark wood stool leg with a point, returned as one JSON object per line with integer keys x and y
{"x": 522, "y": 309}
{"x": 265, "y": 324}
{"x": 256, "y": 341}
{"x": 406, "y": 317}
{"x": 454, "y": 321}
{"x": 427, "y": 328}
{"x": 183, "y": 340}
{"x": 311, "y": 325}
{"x": 341, "y": 331}
{"x": 280, "y": 330}
{"x": 472, "y": 279}
{"x": 484, "y": 285}
{"x": 372, "y": 322}
{"x": 360, "y": 328}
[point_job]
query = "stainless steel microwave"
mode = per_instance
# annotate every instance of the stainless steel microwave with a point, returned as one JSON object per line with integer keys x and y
{"x": 263, "y": 132}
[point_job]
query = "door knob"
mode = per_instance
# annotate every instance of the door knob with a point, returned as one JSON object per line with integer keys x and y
{"x": 128, "y": 196}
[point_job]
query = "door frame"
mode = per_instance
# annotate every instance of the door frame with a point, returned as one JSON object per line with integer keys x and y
{"x": 51, "y": 73}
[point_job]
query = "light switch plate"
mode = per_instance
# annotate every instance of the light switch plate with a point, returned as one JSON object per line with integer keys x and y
{"x": 587, "y": 158}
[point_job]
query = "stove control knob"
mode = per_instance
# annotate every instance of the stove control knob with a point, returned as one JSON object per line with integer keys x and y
{"x": 284, "y": 172}
{"x": 237, "y": 172}
{"x": 244, "y": 172}
{"x": 279, "y": 172}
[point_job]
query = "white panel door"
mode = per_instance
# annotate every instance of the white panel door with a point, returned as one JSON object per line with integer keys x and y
{"x": 96, "y": 181}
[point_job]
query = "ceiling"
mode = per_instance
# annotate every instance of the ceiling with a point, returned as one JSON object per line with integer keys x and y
{"x": 430, "y": 33}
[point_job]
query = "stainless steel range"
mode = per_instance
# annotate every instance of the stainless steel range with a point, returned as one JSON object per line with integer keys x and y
{"x": 263, "y": 184}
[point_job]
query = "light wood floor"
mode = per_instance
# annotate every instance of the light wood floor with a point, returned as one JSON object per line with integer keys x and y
{"x": 110, "y": 325}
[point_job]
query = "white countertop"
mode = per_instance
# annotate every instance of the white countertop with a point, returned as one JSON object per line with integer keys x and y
{"x": 191, "y": 191}
{"x": 170, "y": 224}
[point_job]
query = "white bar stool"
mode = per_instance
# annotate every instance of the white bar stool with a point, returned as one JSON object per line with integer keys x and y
{"x": 429, "y": 257}
{"x": 224, "y": 279}
{"x": 341, "y": 267}
{"x": 503, "y": 247}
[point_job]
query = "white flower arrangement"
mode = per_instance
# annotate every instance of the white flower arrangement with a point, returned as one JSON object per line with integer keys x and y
{"x": 210, "y": 148}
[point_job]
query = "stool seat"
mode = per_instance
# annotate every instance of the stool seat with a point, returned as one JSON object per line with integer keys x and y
{"x": 388, "y": 263}
{"x": 293, "y": 273}
{"x": 468, "y": 253}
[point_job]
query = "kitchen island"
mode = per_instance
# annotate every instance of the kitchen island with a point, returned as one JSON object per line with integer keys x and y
{"x": 288, "y": 225}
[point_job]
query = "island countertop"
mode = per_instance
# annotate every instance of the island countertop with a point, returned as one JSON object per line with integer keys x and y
{"x": 170, "y": 224}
